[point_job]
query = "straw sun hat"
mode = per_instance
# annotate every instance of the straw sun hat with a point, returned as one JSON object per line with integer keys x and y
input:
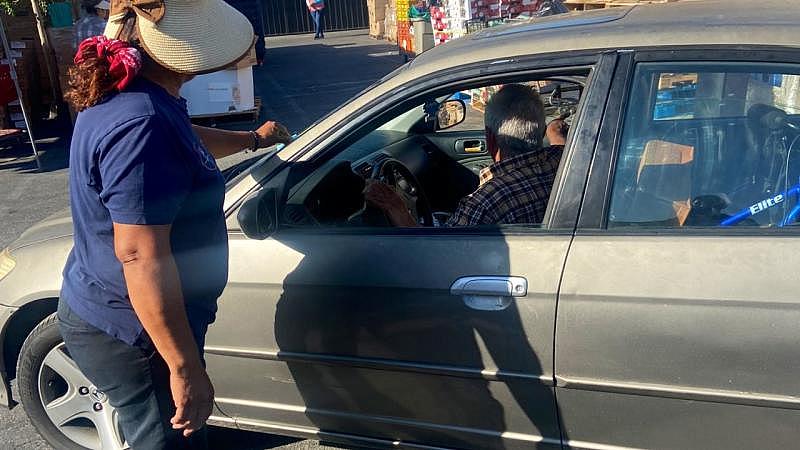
{"x": 186, "y": 36}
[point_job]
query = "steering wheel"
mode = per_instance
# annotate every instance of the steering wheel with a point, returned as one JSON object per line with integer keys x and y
{"x": 402, "y": 180}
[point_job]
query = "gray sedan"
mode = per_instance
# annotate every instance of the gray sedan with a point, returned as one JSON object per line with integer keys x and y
{"x": 656, "y": 306}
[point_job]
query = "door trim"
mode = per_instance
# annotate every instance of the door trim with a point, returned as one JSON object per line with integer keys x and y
{"x": 379, "y": 364}
{"x": 680, "y": 392}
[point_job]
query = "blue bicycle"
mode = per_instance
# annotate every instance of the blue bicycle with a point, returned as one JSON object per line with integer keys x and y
{"x": 777, "y": 123}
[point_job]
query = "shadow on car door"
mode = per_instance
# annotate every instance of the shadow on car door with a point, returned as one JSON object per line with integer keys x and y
{"x": 369, "y": 341}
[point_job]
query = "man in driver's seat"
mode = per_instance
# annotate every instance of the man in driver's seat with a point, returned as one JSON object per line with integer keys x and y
{"x": 515, "y": 189}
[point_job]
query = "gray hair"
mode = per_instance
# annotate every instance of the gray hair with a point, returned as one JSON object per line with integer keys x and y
{"x": 515, "y": 115}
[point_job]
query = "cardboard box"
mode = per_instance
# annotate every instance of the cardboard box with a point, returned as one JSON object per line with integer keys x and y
{"x": 218, "y": 93}
{"x": 377, "y": 29}
{"x": 376, "y": 10}
{"x": 248, "y": 61}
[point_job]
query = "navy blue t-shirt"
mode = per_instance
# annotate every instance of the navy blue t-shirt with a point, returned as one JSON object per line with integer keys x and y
{"x": 136, "y": 160}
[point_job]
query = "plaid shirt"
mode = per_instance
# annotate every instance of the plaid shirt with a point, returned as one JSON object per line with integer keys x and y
{"x": 89, "y": 26}
{"x": 513, "y": 191}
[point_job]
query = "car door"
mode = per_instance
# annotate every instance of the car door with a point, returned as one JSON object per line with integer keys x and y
{"x": 678, "y": 314}
{"x": 438, "y": 337}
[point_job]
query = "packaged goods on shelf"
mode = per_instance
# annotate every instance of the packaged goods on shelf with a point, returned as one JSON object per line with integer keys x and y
{"x": 404, "y": 38}
{"x": 492, "y": 9}
{"x": 401, "y": 9}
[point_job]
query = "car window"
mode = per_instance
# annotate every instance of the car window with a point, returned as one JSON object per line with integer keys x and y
{"x": 559, "y": 97}
{"x": 709, "y": 145}
{"x": 432, "y": 173}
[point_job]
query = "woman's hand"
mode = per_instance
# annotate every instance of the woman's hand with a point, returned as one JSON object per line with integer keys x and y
{"x": 193, "y": 396}
{"x": 272, "y": 133}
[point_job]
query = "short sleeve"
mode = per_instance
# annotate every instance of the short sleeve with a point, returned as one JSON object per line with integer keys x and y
{"x": 144, "y": 179}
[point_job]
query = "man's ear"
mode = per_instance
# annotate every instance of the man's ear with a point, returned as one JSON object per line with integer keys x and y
{"x": 491, "y": 145}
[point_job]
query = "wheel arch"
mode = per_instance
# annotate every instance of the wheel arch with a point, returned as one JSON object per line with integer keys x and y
{"x": 19, "y": 326}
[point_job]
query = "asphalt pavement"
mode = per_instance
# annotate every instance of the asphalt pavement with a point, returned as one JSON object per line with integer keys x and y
{"x": 301, "y": 80}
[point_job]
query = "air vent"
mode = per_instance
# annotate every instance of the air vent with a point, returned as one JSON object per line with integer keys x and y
{"x": 295, "y": 216}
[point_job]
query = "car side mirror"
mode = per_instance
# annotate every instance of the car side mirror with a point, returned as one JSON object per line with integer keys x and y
{"x": 258, "y": 216}
{"x": 451, "y": 113}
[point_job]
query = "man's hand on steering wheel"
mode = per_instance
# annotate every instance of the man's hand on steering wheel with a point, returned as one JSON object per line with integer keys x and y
{"x": 557, "y": 130}
{"x": 383, "y": 197}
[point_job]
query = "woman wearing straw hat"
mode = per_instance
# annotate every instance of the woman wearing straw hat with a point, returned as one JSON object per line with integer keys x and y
{"x": 150, "y": 254}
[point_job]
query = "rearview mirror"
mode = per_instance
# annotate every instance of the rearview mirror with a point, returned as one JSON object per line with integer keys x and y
{"x": 451, "y": 113}
{"x": 258, "y": 215}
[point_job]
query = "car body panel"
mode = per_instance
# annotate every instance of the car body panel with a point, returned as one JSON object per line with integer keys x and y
{"x": 382, "y": 349}
{"x": 38, "y": 273}
{"x": 682, "y": 337}
{"x": 687, "y": 326}
{"x": 56, "y": 226}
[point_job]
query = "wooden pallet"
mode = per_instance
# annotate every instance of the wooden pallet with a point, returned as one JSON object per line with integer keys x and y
{"x": 250, "y": 115}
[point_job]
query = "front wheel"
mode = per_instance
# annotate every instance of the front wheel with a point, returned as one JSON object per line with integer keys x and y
{"x": 63, "y": 405}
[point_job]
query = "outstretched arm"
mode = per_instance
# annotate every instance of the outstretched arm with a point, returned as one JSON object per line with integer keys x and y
{"x": 222, "y": 143}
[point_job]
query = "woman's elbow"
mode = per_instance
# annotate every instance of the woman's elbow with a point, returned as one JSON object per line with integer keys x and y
{"x": 136, "y": 243}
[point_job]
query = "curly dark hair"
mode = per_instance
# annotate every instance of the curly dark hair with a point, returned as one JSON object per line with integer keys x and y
{"x": 89, "y": 82}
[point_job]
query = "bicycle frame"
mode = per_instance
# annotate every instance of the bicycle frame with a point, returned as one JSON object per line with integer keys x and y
{"x": 766, "y": 204}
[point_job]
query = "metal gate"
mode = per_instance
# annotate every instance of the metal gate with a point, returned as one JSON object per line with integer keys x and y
{"x": 292, "y": 17}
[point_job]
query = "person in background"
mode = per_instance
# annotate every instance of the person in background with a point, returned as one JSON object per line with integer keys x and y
{"x": 316, "y": 8}
{"x": 151, "y": 246}
{"x": 516, "y": 188}
{"x": 93, "y": 22}
{"x": 419, "y": 10}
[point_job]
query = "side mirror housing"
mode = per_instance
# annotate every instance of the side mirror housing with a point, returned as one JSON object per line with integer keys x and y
{"x": 451, "y": 113}
{"x": 258, "y": 215}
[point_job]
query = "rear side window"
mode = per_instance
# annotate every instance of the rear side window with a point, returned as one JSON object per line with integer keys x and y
{"x": 709, "y": 145}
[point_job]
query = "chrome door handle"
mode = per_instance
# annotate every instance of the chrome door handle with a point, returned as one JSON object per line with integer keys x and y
{"x": 490, "y": 285}
{"x": 489, "y": 293}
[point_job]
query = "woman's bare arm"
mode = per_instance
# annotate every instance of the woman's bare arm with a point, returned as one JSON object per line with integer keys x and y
{"x": 154, "y": 288}
{"x": 222, "y": 143}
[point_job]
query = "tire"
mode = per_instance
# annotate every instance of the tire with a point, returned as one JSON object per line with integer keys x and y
{"x": 46, "y": 375}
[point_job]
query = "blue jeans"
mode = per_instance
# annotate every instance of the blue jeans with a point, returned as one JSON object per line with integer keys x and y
{"x": 317, "y": 17}
{"x": 135, "y": 380}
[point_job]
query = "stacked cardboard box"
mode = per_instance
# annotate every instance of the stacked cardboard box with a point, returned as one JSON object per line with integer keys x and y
{"x": 377, "y": 18}
{"x": 29, "y": 59}
{"x": 25, "y": 60}
{"x": 61, "y": 40}
{"x": 390, "y": 27}
{"x": 390, "y": 23}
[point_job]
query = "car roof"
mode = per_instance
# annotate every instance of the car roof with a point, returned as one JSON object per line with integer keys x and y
{"x": 689, "y": 22}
